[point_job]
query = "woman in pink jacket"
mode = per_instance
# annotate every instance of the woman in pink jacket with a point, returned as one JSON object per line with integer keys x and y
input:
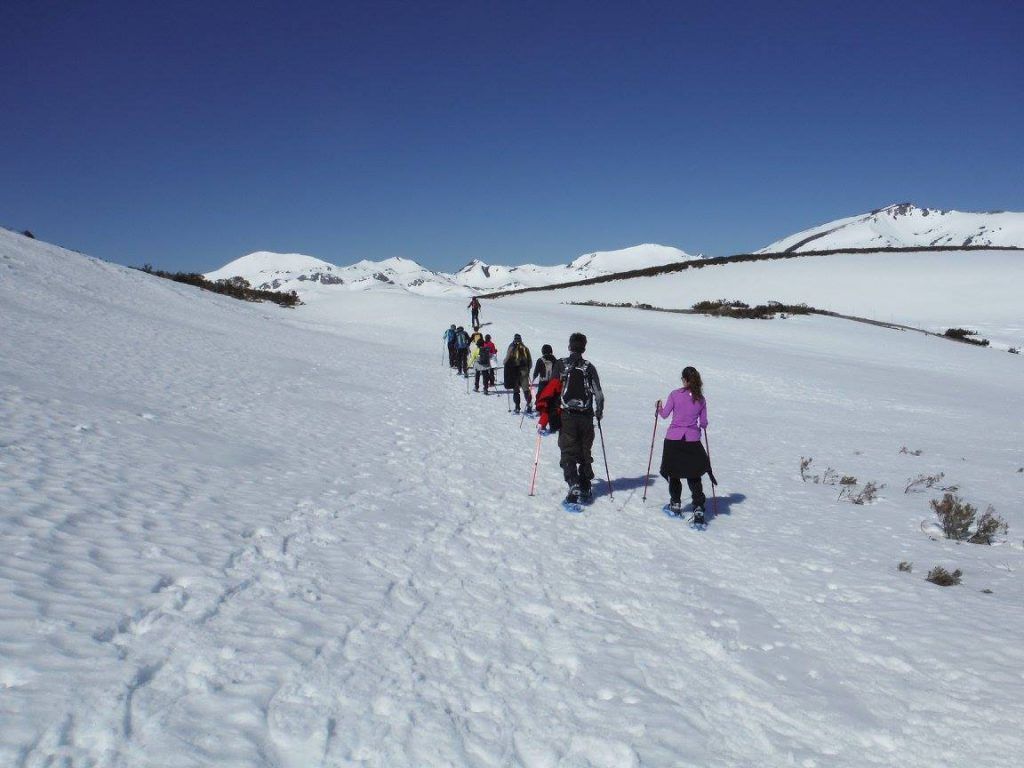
{"x": 683, "y": 454}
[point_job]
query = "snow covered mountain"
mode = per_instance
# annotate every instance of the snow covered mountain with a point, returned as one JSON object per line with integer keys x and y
{"x": 905, "y": 224}
{"x": 294, "y": 271}
{"x": 480, "y": 275}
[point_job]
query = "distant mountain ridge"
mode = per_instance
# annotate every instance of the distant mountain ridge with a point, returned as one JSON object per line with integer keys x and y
{"x": 907, "y": 225}
{"x": 294, "y": 271}
{"x": 903, "y": 225}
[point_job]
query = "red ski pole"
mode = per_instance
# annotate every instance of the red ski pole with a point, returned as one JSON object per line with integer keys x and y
{"x": 711, "y": 474}
{"x": 536, "y": 461}
{"x": 650, "y": 458}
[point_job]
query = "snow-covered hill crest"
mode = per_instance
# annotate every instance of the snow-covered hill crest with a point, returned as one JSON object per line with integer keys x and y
{"x": 907, "y": 225}
{"x": 292, "y": 271}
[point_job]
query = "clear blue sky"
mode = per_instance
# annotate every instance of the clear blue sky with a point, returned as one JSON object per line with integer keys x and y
{"x": 188, "y": 133}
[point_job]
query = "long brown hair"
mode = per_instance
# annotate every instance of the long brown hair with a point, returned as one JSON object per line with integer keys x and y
{"x": 691, "y": 377}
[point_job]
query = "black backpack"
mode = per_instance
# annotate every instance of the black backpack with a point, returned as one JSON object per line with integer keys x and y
{"x": 577, "y": 387}
{"x": 484, "y": 358}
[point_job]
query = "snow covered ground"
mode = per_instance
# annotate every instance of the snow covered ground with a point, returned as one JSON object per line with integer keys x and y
{"x": 239, "y": 535}
{"x": 979, "y": 290}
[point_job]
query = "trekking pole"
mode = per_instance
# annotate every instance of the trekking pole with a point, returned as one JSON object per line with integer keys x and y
{"x": 522, "y": 420}
{"x": 467, "y": 383}
{"x": 536, "y": 461}
{"x": 607, "y": 474}
{"x": 650, "y": 457}
{"x": 711, "y": 474}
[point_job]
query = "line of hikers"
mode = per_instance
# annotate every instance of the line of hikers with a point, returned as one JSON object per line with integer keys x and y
{"x": 569, "y": 398}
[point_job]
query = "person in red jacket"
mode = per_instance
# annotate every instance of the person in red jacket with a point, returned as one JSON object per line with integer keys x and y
{"x": 548, "y": 400}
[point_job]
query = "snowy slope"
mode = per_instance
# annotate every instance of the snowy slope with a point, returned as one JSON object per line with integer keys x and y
{"x": 905, "y": 224}
{"x": 979, "y": 290}
{"x": 229, "y": 541}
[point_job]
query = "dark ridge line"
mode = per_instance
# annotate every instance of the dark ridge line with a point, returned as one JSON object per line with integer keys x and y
{"x": 713, "y": 261}
{"x": 810, "y": 311}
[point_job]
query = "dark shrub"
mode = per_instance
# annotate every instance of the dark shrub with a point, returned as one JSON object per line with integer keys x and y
{"x": 955, "y": 516}
{"x": 942, "y": 577}
{"x": 966, "y": 336}
{"x": 235, "y": 287}
{"x": 989, "y": 526}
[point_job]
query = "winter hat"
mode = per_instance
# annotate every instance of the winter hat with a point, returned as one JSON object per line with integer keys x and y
{"x": 517, "y": 337}
{"x": 578, "y": 343}
{"x": 487, "y": 337}
{"x": 546, "y": 350}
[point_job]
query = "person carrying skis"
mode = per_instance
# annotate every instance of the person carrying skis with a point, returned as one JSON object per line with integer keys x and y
{"x": 517, "y": 372}
{"x": 581, "y": 400}
{"x": 683, "y": 454}
{"x": 462, "y": 350}
{"x": 474, "y": 308}
{"x": 449, "y": 339}
{"x": 482, "y": 366}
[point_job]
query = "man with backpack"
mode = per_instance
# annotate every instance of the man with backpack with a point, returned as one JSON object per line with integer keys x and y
{"x": 581, "y": 400}
{"x": 474, "y": 308}
{"x": 493, "y": 350}
{"x": 462, "y": 350}
{"x": 482, "y": 366}
{"x": 544, "y": 371}
{"x": 449, "y": 338}
{"x": 517, "y": 371}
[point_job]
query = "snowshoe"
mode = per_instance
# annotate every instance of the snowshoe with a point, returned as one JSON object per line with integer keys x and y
{"x": 698, "y": 521}
{"x": 572, "y": 500}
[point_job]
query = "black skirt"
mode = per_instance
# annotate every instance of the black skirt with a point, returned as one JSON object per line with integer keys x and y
{"x": 682, "y": 459}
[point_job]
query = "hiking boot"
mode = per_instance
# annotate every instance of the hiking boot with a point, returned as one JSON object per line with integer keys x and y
{"x": 698, "y": 516}
{"x": 516, "y": 411}
{"x": 586, "y": 494}
{"x": 676, "y": 508}
{"x": 573, "y": 496}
